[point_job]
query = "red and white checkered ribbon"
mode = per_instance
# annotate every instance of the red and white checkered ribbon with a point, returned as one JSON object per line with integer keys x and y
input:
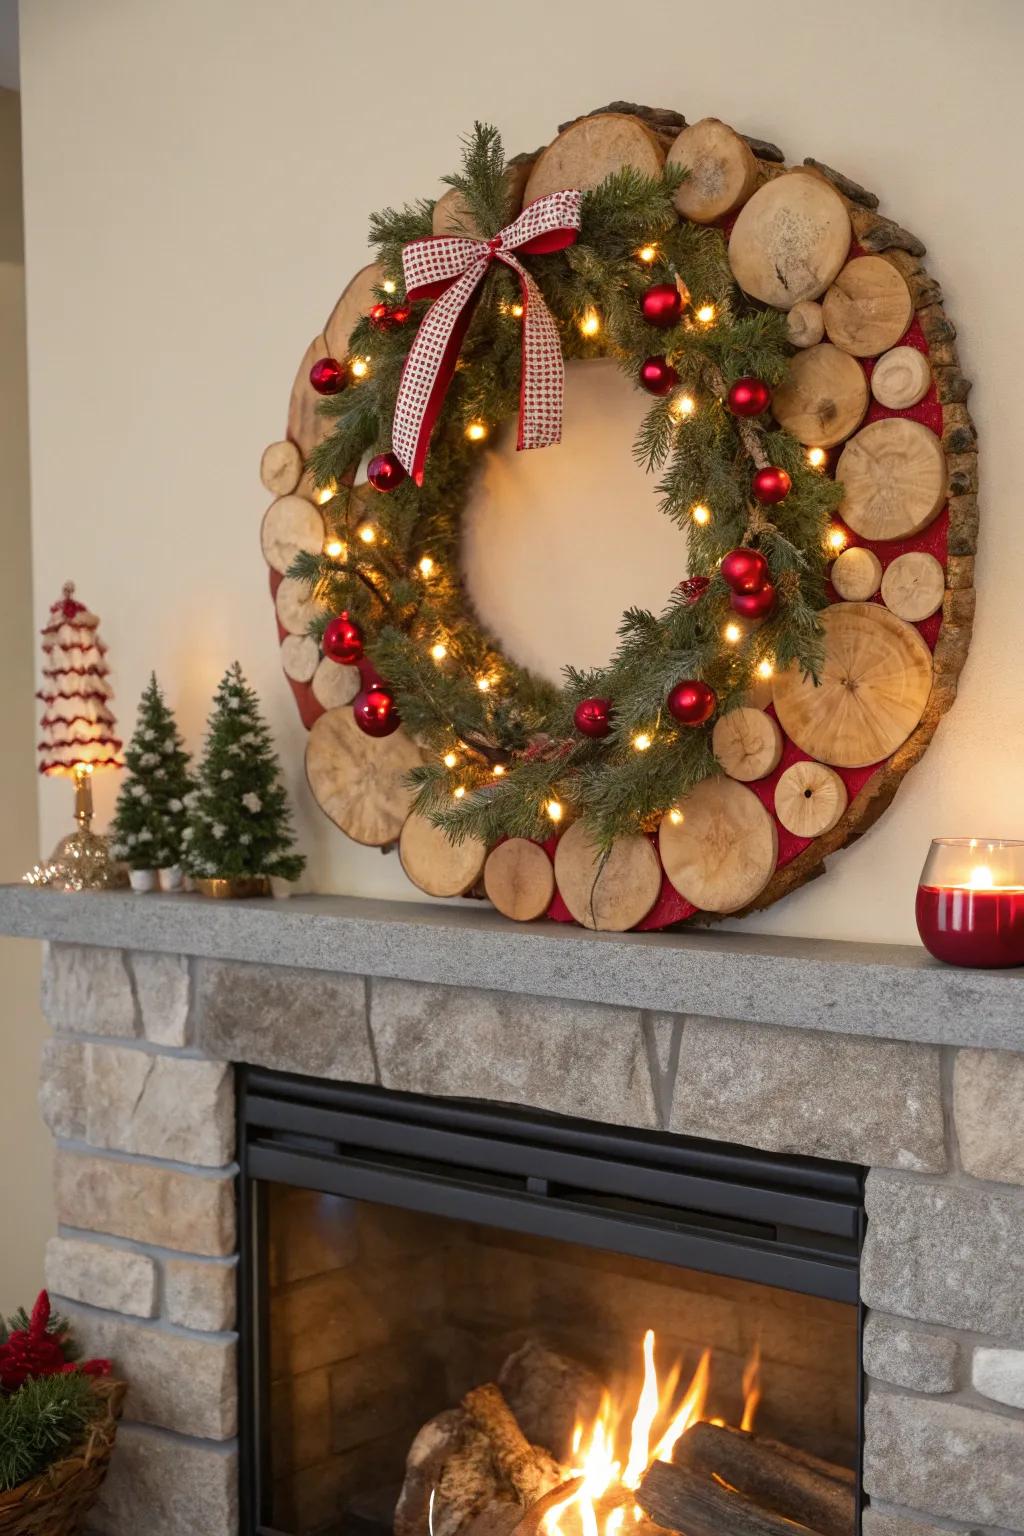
{"x": 450, "y": 269}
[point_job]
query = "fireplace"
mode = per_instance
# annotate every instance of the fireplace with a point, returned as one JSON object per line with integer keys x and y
{"x": 451, "y": 1311}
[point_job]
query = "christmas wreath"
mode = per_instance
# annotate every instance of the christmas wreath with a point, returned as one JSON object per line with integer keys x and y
{"x": 466, "y": 329}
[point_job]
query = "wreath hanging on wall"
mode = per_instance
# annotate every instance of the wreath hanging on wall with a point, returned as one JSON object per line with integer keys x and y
{"x": 818, "y": 454}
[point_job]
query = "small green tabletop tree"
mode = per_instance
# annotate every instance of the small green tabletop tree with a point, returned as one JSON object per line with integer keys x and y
{"x": 152, "y": 807}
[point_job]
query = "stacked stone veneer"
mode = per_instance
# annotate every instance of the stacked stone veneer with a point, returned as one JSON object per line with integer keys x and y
{"x": 137, "y": 1089}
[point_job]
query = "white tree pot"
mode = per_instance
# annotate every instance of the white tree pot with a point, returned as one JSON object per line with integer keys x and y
{"x": 143, "y": 879}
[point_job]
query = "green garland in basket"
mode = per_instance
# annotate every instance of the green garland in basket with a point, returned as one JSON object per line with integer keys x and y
{"x": 505, "y": 755}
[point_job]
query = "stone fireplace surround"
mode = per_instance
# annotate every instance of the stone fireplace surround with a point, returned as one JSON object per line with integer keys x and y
{"x": 869, "y": 1054}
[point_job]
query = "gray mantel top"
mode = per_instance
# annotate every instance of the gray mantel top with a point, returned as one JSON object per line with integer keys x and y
{"x": 891, "y": 990}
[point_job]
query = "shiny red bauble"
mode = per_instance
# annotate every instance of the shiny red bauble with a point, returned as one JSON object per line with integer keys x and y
{"x": 382, "y": 317}
{"x": 693, "y": 588}
{"x": 662, "y": 305}
{"x": 657, "y": 376}
{"x": 384, "y": 472}
{"x": 771, "y": 485}
{"x": 343, "y": 641}
{"x": 401, "y": 314}
{"x": 691, "y": 702}
{"x": 593, "y": 717}
{"x": 375, "y": 711}
{"x": 749, "y": 396}
{"x": 328, "y": 376}
{"x": 754, "y": 605}
{"x": 744, "y": 570}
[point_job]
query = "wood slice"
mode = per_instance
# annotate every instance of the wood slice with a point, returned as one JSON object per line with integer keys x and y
{"x": 452, "y": 217}
{"x": 723, "y": 852}
{"x": 290, "y": 524}
{"x": 805, "y": 324}
{"x": 295, "y": 608}
{"x": 790, "y": 240}
{"x": 335, "y": 685}
{"x": 358, "y": 780}
{"x": 747, "y": 744}
{"x": 823, "y": 397}
{"x": 893, "y": 474}
{"x": 299, "y": 657}
{"x": 611, "y": 894}
{"x": 868, "y": 307}
{"x": 281, "y": 467}
{"x": 306, "y": 426}
{"x": 434, "y": 863}
{"x": 591, "y": 149}
{"x": 901, "y": 378}
{"x": 354, "y": 303}
{"x": 873, "y": 690}
{"x": 856, "y": 574}
{"x": 723, "y": 172}
{"x": 519, "y": 879}
{"x": 913, "y": 586}
{"x": 809, "y": 799}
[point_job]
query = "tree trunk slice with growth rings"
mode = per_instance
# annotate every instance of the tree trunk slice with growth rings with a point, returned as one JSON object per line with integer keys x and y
{"x": 519, "y": 879}
{"x": 805, "y": 324}
{"x": 300, "y": 657}
{"x": 359, "y": 780}
{"x": 809, "y": 799}
{"x": 893, "y": 475}
{"x": 611, "y": 892}
{"x": 913, "y": 586}
{"x": 856, "y": 574}
{"x": 873, "y": 689}
{"x": 591, "y": 149}
{"x": 281, "y": 467}
{"x": 901, "y": 378}
{"x": 296, "y": 610}
{"x": 747, "y": 744}
{"x": 290, "y": 525}
{"x": 723, "y": 172}
{"x": 790, "y": 240}
{"x": 790, "y": 245}
{"x": 868, "y": 307}
{"x": 435, "y": 865}
{"x": 823, "y": 398}
{"x": 721, "y": 851}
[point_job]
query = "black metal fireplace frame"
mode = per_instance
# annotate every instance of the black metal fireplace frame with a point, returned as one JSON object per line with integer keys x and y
{"x": 797, "y": 1223}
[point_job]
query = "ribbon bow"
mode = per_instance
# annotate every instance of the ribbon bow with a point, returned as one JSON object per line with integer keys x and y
{"x": 450, "y": 269}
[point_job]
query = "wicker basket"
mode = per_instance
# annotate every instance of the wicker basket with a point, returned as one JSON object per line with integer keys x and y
{"x": 56, "y": 1502}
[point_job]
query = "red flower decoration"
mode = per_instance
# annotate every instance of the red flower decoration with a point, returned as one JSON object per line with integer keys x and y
{"x": 40, "y": 1350}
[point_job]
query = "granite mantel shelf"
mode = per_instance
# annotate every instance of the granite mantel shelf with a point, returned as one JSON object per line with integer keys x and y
{"x": 889, "y": 991}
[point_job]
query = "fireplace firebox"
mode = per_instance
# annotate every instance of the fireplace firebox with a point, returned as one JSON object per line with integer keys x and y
{"x": 480, "y": 1321}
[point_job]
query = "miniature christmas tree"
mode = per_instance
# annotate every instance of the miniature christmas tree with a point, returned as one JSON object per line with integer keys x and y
{"x": 78, "y": 726}
{"x": 239, "y": 824}
{"x": 149, "y": 821}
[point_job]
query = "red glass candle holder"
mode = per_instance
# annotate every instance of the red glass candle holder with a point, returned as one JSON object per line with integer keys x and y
{"x": 970, "y": 902}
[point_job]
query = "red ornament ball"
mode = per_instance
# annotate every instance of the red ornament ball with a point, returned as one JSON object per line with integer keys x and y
{"x": 375, "y": 711}
{"x": 381, "y": 317}
{"x": 593, "y": 717}
{"x": 745, "y": 570}
{"x": 657, "y": 376}
{"x": 328, "y": 376}
{"x": 401, "y": 314}
{"x": 754, "y": 605}
{"x": 662, "y": 305}
{"x": 771, "y": 485}
{"x": 691, "y": 702}
{"x": 385, "y": 472}
{"x": 343, "y": 641}
{"x": 693, "y": 588}
{"x": 749, "y": 397}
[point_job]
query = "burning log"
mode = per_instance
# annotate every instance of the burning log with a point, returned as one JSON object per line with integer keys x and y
{"x": 533, "y": 1520}
{"x": 769, "y": 1473}
{"x": 681, "y": 1499}
{"x": 797, "y": 1485}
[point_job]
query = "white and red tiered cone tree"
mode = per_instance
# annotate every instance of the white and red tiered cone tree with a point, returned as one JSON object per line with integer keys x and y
{"x": 78, "y": 735}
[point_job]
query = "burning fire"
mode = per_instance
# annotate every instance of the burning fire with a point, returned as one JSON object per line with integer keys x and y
{"x": 611, "y": 1459}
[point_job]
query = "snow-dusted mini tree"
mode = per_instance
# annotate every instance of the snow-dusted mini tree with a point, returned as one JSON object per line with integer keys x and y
{"x": 152, "y": 808}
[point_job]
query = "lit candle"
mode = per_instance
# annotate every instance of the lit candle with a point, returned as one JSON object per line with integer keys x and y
{"x": 970, "y": 902}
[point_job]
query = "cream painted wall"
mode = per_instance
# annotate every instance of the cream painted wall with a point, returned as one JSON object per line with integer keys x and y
{"x": 25, "y": 1153}
{"x": 198, "y": 178}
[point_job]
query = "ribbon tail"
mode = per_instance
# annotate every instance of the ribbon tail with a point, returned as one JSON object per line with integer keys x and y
{"x": 542, "y": 371}
{"x": 429, "y": 368}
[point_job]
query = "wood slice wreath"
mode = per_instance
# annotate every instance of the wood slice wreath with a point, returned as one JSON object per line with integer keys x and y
{"x": 808, "y": 429}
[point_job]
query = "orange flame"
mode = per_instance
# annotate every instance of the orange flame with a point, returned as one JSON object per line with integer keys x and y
{"x": 751, "y": 1388}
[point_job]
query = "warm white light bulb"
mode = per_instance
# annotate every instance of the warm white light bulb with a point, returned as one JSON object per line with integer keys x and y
{"x": 765, "y": 669}
{"x": 732, "y": 633}
{"x": 590, "y": 323}
{"x": 647, "y": 253}
{"x": 426, "y": 566}
{"x": 484, "y": 684}
{"x": 460, "y": 792}
{"x": 706, "y": 314}
{"x": 554, "y": 810}
{"x": 334, "y": 549}
{"x": 517, "y": 311}
{"x": 450, "y": 759}
{"x": 476, "y": 431}
{"x": 325, "y": 493}
{"x": 837, "y": 539}
{"x": 683, "y": 406}
{"x": 700, "y": 515}
{"x": 367, "y": 533}
{"x": 498, "y": 770}
{"x": 439, "y": 651}
{"x": 675, "y": 816}
{"x": 641, "y": 742}
{"x": 388, "y": 285}
{"x": 359, "y": 367}
{"x": 816, "y": 457}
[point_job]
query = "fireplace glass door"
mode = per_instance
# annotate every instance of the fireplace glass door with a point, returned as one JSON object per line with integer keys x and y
{"x": 474, "y": 1322}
